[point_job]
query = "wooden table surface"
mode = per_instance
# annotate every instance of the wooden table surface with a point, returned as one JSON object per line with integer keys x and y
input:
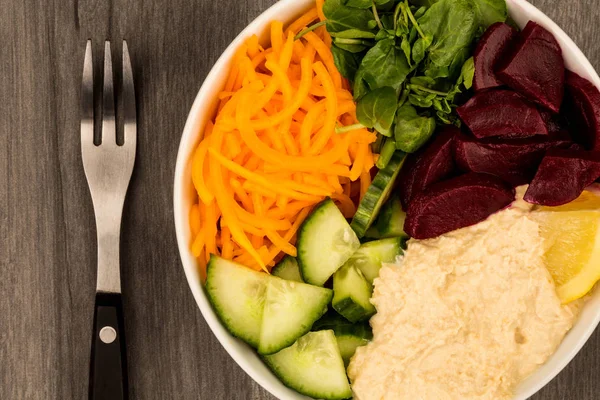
{"x": 47, "y": 233}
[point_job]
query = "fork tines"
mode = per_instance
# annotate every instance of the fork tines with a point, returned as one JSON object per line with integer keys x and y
{"x": 108, "y": 135}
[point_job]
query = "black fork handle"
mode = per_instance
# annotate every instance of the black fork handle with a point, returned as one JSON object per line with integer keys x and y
{"x": 108, "y": 366}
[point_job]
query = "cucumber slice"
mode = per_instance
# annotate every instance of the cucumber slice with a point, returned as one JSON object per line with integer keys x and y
{"x": 331, "y": 320}
{"x": 349, "y": 336}
{"x": 288, "y": 269}
{"x": 237, "y": 295}
{"x": 371, "y": 233}
{"x": 351, "y": 294}
{"x": 377, "y": 194}
{"x": 313, "y": 366}
{"x": 291, "y": 308}
{"x": 390, "y": 222}
{"x": 371, "y": 255}
{"x": 325, "y": 242}
{"x": 348, "y": 344}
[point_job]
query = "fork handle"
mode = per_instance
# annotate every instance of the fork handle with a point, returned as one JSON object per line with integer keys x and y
{"x": 108, "y": 366}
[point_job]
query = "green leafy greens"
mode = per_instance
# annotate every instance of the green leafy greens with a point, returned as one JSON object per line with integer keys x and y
{"x": 408, "y": 60}
{"x": 377, "y": 110}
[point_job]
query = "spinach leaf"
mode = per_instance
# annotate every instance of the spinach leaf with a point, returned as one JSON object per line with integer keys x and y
{"x": 412, "y": 130}
{"x": 359, "y": 3}
{"x": 405, "y": 46}
{"x": 421, "y": 100}
{"x": 467, "y": 73}
{"x": 360, "y": 85}
{"x": 422, "y": 81}
{"x": 384, "y": 34}
{"x": 353, "y": 34}
{"x": 377, "y": 109}
{"x": 420, "y": 47}
{"x": 385, "y": 65}
{"x": 385, "y": 5}
{"x": 419, "y": 13}
{"x": 451, "y": 26}
{"x": 346, "y": 62}
{"x": 442, "y": 105}
{"x": 464, "y": 80}
{"x": 341, "y": 18}
{"x": 349, "y": 45}
{"x": 426, "y": 3}
{"x": 490, "y": 12}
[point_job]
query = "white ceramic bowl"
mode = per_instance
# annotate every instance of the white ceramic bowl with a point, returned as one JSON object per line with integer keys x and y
{"x": 184, "y": 196}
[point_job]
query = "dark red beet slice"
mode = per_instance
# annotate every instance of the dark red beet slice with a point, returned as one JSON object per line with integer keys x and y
{"x": 582, "y": 110}
{"x": 432, "y": 164}
{"x": 562, "y": 176}
{"x": 555, "y": 123}
{"x": 456, "y": 203}
{"x": 514, "y": 161}
{"x": 501, "y": 113}
{"x": 490, "y": 49}
{"x": 535, "y": 67}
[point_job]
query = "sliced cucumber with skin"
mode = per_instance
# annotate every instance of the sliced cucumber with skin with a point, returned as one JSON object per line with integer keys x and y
{"x": 288, "y": 269}
{"x": 371, "y": 233}
{"x": 390, "y": 222}
{"x": 313, "y": 366}
{"x": 348, "y": 343}
{"x": 348, "y": 335}
{"x": 351, "y": 294}
{"x": 237, "y": 295}
{"x": 325, "y": 242}
{"x": 377, "y": 194}
{"x": 371, "y": 255}
{"x": 290, "y": 310}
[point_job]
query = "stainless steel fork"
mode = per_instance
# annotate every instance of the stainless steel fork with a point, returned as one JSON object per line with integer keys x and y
{"x": 108, "y": 169}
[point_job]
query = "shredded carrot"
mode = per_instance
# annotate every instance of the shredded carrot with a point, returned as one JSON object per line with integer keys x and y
{"x": 304, "y": 21}
{"x": 345, "y": 204}
{"x": 320, "y": 9}
{"x": 271, "y": 153}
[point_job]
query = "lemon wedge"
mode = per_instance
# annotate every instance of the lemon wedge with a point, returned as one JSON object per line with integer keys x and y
{"x": 572, "y": 237}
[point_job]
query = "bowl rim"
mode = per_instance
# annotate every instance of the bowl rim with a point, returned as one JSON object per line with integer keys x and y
{"x": 190, "y": 137}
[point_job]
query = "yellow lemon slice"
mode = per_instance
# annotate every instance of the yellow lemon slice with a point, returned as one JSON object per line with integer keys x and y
{"x": 572, "y": 236}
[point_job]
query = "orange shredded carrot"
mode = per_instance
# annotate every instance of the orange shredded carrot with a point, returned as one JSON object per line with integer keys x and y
{"x": 345, "y": 203}
{"x": 276, "y": 36}
{"x": 195, "y": 219}
{"x": 227, "y": 245}
{"x": 320, "y": 9}
{"x": 305, "y": 20}
{"x": 270, "y": 153}
{"x": 280, "y": 243}
{"x": 325, "y": 54}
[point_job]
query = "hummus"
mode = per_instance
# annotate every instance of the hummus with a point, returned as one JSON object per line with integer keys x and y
{"x": 467, "y": 315}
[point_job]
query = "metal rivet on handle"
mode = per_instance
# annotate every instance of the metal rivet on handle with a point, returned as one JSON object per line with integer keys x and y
{"x": 108, "y": 334}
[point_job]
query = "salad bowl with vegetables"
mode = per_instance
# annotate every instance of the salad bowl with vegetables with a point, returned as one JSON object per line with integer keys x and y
{"x": 323, "y": 122}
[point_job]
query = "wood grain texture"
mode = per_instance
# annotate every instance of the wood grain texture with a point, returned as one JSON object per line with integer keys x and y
{"x": 47, "y": 233}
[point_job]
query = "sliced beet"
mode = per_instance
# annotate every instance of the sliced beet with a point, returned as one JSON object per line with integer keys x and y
{"x": 535, "y": 67}
{"x": 581, "y": 107}
{"x": 490, "y": 49}
{"x": 562, "y": 176}
{"x": 456, "y": 203}
{"x": 432, "y": 164}
{"x": 501, "y": 113}
{"x": 555, "y": 123}
{"x": 514, "y": 161}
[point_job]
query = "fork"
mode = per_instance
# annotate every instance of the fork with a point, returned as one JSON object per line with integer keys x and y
{"x": 108, "y": 167}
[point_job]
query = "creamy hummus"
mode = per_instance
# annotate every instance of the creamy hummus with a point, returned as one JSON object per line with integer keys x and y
{"x": 467, "y": 315}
